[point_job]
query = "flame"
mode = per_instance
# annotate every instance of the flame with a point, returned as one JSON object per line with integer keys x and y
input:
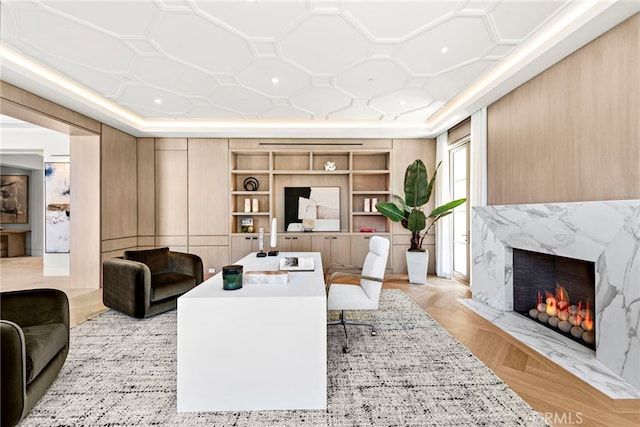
{"x": 576, "y": 319}
{"x": 540, "y": 306}
{"x": 539, "y": 298}
{"x": 551, "y": 305}
{"x": 563, "y": 300}
{"x": 588, "y": 321}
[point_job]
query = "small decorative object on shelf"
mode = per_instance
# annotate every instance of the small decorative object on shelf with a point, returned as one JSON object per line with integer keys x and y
{"x": 251, "y": 183}
{"x": 247, "y": 205}
{"x": 374, "y": 202}
{"x": 330, "y": 166}
{"x": 367, "y": 205}
{"x": 231, "y": 277}
{"x": 246, "y": 225}
{"x": 256, "y": 206}
{"x": 367, "y": 230}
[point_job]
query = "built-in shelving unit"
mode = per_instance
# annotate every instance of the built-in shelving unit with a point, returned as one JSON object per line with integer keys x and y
{"x": 361, "y": 175}
{"x": 362, "y": 171}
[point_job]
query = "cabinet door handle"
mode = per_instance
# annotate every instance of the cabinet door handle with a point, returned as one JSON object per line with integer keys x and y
{"x": 327, "y": 238}
{"x": 247, "y": 238}
{"x": 294, "y": 238}
{"x": 334, "y": 238}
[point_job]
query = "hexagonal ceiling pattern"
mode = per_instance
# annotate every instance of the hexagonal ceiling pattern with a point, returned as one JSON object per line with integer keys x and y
{"x": 314, "y": 60}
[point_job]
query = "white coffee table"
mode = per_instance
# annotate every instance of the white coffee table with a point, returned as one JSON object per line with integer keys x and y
{"x": 259, "y": 347}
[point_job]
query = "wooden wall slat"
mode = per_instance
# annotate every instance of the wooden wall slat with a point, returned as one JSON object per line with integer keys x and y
{"x": 572, "y": 133}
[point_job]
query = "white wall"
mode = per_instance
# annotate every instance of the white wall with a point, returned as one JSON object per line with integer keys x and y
{"x": 22, "y": 147}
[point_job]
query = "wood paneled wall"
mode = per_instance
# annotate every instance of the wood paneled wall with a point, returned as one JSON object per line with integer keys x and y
{"x": 119, "y": 191}
{"x": 146, "y": 193}
{"x": 571, "y": 133}
{"x": 84, "y": 237}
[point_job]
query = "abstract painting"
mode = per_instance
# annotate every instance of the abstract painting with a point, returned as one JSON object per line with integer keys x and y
{"x": 14, "y": 199}
{"x": 312, "y": 208}
{"x": 57, "y": 215}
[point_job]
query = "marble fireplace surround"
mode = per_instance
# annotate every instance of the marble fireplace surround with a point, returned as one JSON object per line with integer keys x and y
{"x": 605, "y": 232}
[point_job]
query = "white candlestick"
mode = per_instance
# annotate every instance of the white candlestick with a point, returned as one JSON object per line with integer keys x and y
{"x": 274, "y": 235}
{"x": 256, "y": 206}
{"x": 247, "y": 205}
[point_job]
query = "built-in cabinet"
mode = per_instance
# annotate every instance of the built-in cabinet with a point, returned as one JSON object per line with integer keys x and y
{"x": 172, "y": 191}
{"x": 208, "y": 235}
{"x": 294, "y": 242}
{"x": 241, "y": 245}
{"x": 261, "y": 170}
{"x": 188, "y": 207}
{"x": 194, "y": 193}
{"x": 333, "y": 248}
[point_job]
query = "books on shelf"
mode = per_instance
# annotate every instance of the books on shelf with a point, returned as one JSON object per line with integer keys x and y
{"x": 294, "y": 263}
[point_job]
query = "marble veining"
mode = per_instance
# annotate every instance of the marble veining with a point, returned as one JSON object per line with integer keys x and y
{"x": 605, "y": 232}
{"x": 575, "y": 358}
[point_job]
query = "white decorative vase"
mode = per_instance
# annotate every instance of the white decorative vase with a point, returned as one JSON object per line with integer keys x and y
{"x": 417, "y": 263}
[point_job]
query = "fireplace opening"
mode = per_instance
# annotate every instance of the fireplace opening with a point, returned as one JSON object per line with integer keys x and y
{"x": 556, "y": 292}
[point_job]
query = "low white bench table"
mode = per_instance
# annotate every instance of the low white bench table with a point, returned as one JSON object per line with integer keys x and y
{"x": 259, "y": 347}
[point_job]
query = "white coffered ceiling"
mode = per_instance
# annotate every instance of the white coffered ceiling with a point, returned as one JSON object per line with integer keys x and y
{"x": 335, "y": 68}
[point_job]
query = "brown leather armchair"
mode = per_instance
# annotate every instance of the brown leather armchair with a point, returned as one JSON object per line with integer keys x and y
{"x": 148, "y": 282}
{"x": 34, "y": 345}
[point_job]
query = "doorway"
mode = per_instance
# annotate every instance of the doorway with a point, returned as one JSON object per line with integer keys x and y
{"x": 84, "y": 258}
{"x": 459, "y": 179}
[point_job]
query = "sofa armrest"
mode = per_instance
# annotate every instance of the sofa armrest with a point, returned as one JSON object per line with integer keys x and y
{"x": 13, "y": 372}
{"x": 35, "y": 307}
{"x": 126, "y": 286}
{"x": 187, "y": 264}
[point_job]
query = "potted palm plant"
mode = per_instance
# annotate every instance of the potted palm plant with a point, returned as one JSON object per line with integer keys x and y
{"x": 408, "y": 212}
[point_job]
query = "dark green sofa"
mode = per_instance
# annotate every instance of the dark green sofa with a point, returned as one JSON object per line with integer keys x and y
{"x": 34, "y": 346}
{"x": 148, "y": 282}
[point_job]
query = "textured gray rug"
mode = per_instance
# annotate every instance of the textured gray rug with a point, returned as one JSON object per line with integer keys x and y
{"x": 122, "y": 371}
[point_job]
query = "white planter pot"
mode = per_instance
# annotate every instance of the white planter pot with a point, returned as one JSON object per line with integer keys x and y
{"x": 417, "y": 263}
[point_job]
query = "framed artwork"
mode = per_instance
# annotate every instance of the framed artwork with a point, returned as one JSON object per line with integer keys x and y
{"x": 312, "y": 208}
{"x": 14, "y": 199}
{"x": 58, "y": 213}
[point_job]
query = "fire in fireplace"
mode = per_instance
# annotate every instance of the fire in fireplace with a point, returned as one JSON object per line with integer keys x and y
{"x": 557, "y": 292}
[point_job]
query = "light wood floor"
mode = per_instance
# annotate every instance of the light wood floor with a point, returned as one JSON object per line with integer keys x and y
{"x": 562, "y": 398}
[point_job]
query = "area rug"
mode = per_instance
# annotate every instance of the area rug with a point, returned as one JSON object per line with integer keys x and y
{"x": 121, "y": 371}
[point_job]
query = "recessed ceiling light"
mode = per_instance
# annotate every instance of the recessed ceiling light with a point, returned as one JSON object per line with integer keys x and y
{"x": 444, "y": 49}
{"x": 402, "y": 102}
{"x": 158, "y": 101}
{"x": 275, "y": 80}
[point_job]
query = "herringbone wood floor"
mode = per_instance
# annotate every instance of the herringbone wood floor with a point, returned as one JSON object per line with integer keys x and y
{"x": 561, "y": 397}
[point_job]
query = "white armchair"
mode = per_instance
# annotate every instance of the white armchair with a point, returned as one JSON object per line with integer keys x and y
{"x": 362, "y": 296}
